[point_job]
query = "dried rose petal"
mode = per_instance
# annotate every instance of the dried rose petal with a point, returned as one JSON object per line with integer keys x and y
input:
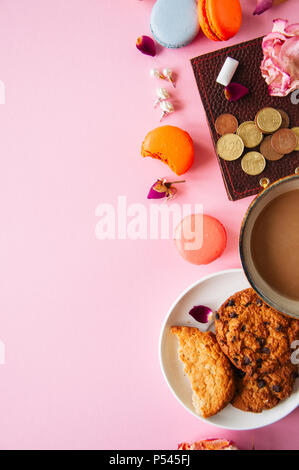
{"x": 161, "y": 188}
{"x": 201, "y": 313}
{"x": 146, "y": 45}
{"x": 262, "y": 5}
{"x": 208, "y": 444}
{"x": 235, "y": 91}
{"x": 157, "y": 191}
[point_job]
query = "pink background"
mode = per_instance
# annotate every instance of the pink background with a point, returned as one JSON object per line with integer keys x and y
{"x": 80, "y": 317}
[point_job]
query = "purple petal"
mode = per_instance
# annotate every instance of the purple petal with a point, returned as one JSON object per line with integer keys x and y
{"x": 146, "y": 45}
{"x": 153, "y": 194}
{"x": 157, "y": 191}
{"x": 201, "y": 313}
{"x": 262, "y": 5}
{"x": 235, "y": 91}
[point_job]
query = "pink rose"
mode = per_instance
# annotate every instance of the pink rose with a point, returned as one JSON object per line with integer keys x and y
{"x": 280, "y": 66}
{"x": 208, "y": 444}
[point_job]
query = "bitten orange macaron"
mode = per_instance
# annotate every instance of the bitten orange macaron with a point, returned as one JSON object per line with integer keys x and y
{"x": 200, "y": 238}
{"x": 220, "y": 20}
{"x": 172, "y": 146}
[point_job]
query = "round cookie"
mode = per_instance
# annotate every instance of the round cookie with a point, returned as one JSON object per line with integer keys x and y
{"x": 172, "y": 146}
{"x": 265, "y": 391}
{"x": 174, "y": 23}
{"x": 249, "y": 397}
{"x": 254, "y": 336}
{"x": 293, "y": 330}
{"x": 200, "y": 238}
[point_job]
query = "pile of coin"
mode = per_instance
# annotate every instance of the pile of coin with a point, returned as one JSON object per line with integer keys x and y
{"x": 269, "y": 130}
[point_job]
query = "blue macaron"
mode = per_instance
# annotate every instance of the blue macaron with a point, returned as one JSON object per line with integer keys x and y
{"x": 174, "y": 23}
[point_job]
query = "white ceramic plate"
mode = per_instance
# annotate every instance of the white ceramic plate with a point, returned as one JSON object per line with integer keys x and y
{"x": 212, "y": 291}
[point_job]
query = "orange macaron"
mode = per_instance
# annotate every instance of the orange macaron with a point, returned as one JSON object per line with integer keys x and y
{"x": 171, "y": 145}
{"x": 220, "y": 20}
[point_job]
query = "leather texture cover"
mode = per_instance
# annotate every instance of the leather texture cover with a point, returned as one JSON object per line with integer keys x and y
{"x": 206, "y": 69}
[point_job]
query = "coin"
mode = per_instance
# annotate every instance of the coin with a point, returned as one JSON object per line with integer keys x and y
{"x": 268, "y": 151}
{"x": 230, "y": 147}
{"x": 226, "y": 124}
{"x": 242, "y": 125}
{"x": 253, "y": 163}
{"x": 285, "y": 119}
{"x": 296, "y": 130}
{"x": 255, "y": 122}
{"x": 250, "y": 134}
{"x": 284, "y": 141}
{"x": 268, "y": 120}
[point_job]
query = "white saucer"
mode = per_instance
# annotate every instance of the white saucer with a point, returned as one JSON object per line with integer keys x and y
{"x": 211, "y": 291}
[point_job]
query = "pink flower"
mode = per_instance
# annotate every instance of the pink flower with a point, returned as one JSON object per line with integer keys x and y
{"x": 208, "y": 444}
{"x": 280, "y": 66}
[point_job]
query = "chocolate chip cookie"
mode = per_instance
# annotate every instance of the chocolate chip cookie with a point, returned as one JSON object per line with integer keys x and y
{"x": 265, "y": 391}
{"x": 256, "y": 338}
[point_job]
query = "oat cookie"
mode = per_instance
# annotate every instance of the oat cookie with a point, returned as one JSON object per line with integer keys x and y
{"x": 265, "y": 391}
{"x": 255, "y": 337}
{"x": 249, "y": 397}
{"x": 209, "y": 371}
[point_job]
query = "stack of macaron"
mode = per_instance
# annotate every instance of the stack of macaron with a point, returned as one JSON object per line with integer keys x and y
{"x": 175, "y": 23}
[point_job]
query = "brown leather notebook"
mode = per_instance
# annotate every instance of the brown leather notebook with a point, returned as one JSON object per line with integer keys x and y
{"x": 206, "y": 69}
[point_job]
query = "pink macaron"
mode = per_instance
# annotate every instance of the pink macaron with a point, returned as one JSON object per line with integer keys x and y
{"x": 200, "y": 238}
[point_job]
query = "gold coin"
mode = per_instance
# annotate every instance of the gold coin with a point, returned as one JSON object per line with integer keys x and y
{"x": 253, "y": 163}
{"x": 296, "y": 130}
{"x": 285, "y": 119}
{"x": 250, "y": 134}
{"x": 268, "y": 120}
{"x": 230, "y": 147}
{"x": 243, "y": 125}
